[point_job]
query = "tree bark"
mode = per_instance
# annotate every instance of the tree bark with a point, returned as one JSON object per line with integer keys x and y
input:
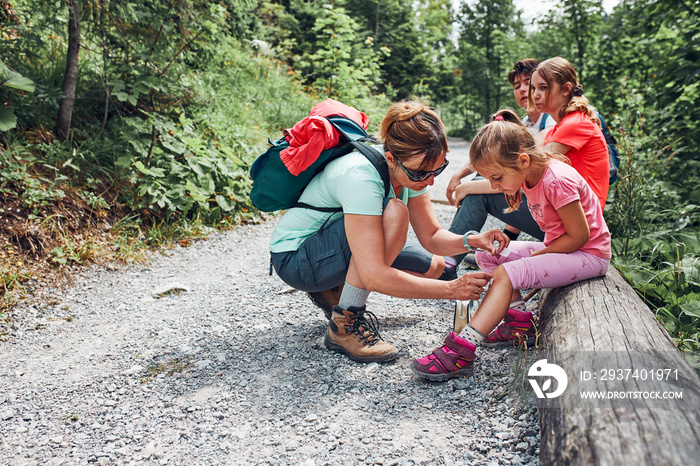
{"x": 65, "y": 110}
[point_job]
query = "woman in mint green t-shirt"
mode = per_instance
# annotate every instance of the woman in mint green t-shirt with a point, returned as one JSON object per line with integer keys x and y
{"x": 340, "y": 258}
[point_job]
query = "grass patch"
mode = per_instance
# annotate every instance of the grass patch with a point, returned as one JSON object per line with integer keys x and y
{"x": 167, "y": 368}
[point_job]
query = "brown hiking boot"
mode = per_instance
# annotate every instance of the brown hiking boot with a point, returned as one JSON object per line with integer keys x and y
{"x": 326, "y": 299}
{"x": 354, "y": 332}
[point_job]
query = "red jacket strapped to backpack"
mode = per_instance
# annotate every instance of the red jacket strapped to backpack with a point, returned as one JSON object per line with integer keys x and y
{"x": 314, "y": 133}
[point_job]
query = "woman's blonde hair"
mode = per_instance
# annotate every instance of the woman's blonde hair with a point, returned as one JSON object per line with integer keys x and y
{"x": 412, "y": 128}
{"x": 559, "y": 70}
{"x": 501, "y": 142}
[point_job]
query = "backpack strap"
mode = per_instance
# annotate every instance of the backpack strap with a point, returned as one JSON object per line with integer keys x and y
{"x": 351, "y": 130}
{"x": 544, "y": 121}
{"x": 377, "y": 159}
{"x": 330, "y": 210}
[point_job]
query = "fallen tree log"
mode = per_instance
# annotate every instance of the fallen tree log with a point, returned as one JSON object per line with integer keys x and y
{"x": 608, "y": 341}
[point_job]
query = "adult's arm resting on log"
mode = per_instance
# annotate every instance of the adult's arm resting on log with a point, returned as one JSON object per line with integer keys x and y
{"x": 598, "y": 323}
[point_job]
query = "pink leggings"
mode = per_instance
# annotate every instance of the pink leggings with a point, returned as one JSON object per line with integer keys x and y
{"x": 545, "y": 271}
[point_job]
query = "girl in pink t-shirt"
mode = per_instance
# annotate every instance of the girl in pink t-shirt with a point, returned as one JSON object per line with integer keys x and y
{"x": 576, "y": 245}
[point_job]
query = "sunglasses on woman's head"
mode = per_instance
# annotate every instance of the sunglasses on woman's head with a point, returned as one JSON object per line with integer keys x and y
{"x": 419, "y": 175}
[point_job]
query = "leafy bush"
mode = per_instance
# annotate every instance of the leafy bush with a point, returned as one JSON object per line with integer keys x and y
{"x": 343, "y": 65}
{"x": 180, "y": 172}
{"x": 13, "y": 80}
{"x": 654, "y": 225}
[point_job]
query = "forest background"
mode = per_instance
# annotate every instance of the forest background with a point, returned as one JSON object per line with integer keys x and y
{"x": 130, "y": 125}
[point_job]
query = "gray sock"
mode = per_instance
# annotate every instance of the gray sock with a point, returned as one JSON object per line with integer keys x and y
{"x": 352, "y": 297}
{"x": 518, "y": 305}
{"x": 472, "y": 335}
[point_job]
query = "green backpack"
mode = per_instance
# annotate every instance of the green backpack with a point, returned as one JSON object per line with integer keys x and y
{"x": 275, "y": 188}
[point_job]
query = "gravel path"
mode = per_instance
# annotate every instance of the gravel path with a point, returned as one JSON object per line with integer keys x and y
{"x": 232, "y": 370}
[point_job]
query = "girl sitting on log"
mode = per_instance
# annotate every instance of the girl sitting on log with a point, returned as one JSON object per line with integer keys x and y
{"x": 576, "y": 245}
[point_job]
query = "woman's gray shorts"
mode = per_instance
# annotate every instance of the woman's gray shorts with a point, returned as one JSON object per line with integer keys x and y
{"x": 322, "y": 260}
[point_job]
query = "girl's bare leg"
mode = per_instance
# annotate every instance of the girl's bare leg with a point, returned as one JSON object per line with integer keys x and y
{"x": 495, "y": 304}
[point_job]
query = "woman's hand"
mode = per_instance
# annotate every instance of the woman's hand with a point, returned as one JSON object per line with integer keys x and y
{"x": 470, "y": 285}
{"x": 486, "y": 241}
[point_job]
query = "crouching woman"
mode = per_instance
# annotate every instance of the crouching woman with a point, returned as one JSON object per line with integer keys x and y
{"x": 365, "y": 248}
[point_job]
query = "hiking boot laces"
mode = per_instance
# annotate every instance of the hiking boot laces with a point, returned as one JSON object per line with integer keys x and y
{"x": 364, "y": 324}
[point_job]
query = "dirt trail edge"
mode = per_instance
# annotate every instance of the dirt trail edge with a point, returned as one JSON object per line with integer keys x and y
{"x": 202, "y": 357}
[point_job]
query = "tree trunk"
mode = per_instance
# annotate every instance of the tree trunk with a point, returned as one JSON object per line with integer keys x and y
{"x": 65, "y": 110}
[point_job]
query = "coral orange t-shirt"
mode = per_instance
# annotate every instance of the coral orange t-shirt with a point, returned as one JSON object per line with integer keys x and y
{"x": 588, "y": 153}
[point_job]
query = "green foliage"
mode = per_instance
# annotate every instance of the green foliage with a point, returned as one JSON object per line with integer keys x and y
{"x": 179, "y": 171}
{"x": 650, "y": 45}
{"x": 42, "y": 174}
{"x": 409, "y": 41}
{"x": 149, "y": 74}
{"x": 343, "y": 65}
{"x": 132, "y": 235}
{"x": 490, "y": 34}
{"x": 182, "y": 107}
{"x": 417, "y": 36}
{"x": 583, "y": 25}
{"x": 334, "y": 55}
{"x": 433, "y": 24}
{"x": 19, "y": 173}
{"x": 654, "y": 229}
{"x": 670, "y": 283}
{"x": 13, "y": 80}
{"x": 241, "y": 20}
{"x": 71, "y": 253}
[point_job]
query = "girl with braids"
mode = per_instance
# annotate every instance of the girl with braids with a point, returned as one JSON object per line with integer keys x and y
{"x": 364, "y": 248}
{"x": 554, "y": 89}
{"x": 576, "y": 245}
